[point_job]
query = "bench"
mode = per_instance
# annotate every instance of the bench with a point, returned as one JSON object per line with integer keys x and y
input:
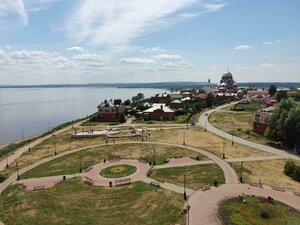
{"x": 154, "y": 183}
{"x": 142, "y": 160}
{"x": 178, "y": 156}
{"x": 124, "y": 181}
{"x": 160, "y": 180}
{"x": 256, "y": 185}
{"x": 150, "y": 171}
{"x": 205, "y": 188}
{"x": 278, "y": 188}
{"x": 297, "y": 193}
{"x": 89, "y": 168}
{"x": 88, "y": 180}
{"x": 36, "y": 188}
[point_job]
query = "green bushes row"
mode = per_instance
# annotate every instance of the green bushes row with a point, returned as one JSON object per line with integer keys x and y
{"x": 292, "y": 170}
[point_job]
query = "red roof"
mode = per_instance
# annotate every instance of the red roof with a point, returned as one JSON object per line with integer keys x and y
{"x": 202, "y": 95}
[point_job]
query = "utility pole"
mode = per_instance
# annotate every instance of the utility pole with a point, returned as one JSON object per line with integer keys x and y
{"x": 18, "y": 175}
{"x": 184, "y": 183}
{"x": 6, "y": 161}
{"x": 241, "y": 178}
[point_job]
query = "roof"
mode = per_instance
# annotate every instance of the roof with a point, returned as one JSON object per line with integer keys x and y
{"x": 202, "y": 95}
{"x": 257, "y": 92}
{"x": 156, "y": 106}
{"x": 268, "y": 109}
{"x": 106, "y": 104}
{"x": 176, "y": 101}
{"x": 186, "y": 99}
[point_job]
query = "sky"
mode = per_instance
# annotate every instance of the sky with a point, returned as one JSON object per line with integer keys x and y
{"x": 108, "y": 41}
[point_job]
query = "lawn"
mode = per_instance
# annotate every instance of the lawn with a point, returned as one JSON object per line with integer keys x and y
{"x": 73, "y": 202}
{"x": 257, "y": 211}
{"x": 118, "y": 171}
{"x": 69, "y": 164}
{"x": 196, "y": 176}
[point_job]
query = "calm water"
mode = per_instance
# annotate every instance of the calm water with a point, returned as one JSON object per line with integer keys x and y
{"x": 30, "y": 111}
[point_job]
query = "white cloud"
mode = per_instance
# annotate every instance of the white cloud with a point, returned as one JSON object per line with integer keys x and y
{"x": 267, "y": 65}
{"x": 90, "y": 57}
{"x": 154, "y": 49}
{"x": 76, "y": 49}
{"x": 7, "y": 47}
{"x": 242, "y": 47}
{"x": 214, "y": 7}
{"x": 270, "y": 42}
{"x": 168, "y": 57}
{"x": 133, "y": 60}
{"x": 11, "y": 11}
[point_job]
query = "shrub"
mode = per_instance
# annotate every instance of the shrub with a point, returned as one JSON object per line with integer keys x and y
{"x": 292, "y": 170}
{"x": 247, "y": 131}
{"x": 122, "y": 118}
{"x": 2, "y": 178}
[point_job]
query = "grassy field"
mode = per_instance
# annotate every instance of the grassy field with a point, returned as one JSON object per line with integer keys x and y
{"x": 69, "y": 164}
{"x": 196, "y": 176}
{"x": 73, "y": 202}
{"x": 257, "y": 212}
{"x": 197, "y": 137}
{"x": 270, "y": 172}
{"x": 118, "y": 171}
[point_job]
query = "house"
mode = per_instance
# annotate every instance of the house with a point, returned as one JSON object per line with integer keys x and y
{"x": 175, "y": 96}
{"x": 202, "y": 96}
{"x": 257, "y": 95}
{"x": 270, "y": 101}
{"x": 161, "y": 98}
{"x": 175, "y": 104}
{"x": 159, "y": 112}
{"x": 110, "y": 111}
{"x": 260, "y": 122}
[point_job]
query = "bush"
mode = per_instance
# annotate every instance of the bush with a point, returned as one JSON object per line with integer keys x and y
{"x": 264, "y": 214}
{"x": 2, "y": 178}
{"x": 122, "y": 118}
{"x": 247, "y": 131}
{"x": 292, "y": 170}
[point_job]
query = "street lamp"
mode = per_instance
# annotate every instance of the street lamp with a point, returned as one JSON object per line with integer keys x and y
{"x": 205, "y": 126}
{"x": 18, "y": 175}
{"x": 184, "y": 183}
{"x": 29, "y": 145}
{"x": 6, "y": 161}
{"x": 223, "y": 150}
{"x": 232, "y": 139}
{"x": 188, "y": 207}
{"x": 153, "y": 163}
{"x": 183, "y": 138}
{"x": 161, "y": 122}
{"x": 241, "y": 178}
{"x": 55, "y": 146}
{"x": 80, "y": 170}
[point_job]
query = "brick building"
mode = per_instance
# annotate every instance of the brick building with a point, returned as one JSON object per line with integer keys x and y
{"x": 110, "y": 111}
{"x": 260, "y": 122}
{"x": 159, "y": 112}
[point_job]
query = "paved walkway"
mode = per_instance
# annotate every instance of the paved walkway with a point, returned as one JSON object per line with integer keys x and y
{"x": 99, "y": 180}
{"x": 204, "y": 205}
{"x": 203, "y": 121}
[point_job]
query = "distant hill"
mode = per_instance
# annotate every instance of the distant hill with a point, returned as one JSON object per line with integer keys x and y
{"x": 162, "y": 85}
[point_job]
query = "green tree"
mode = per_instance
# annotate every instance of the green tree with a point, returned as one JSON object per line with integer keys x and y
{"x": 280, "y": 95}
{"x": 272, "y": 90}
{"x": 127, "y": 102}
{"x": 201, "y": 91}
{"x": 2, "y": 178}
{"x": 284, "y": 123}
{"x": 295, "y": 95}
{"x": 209, "y": 100}
{"x": 122, "y": 118}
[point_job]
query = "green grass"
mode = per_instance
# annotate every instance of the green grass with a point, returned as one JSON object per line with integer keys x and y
{"x": 235, "y": 213}
{"x": 118, "y": 171}
{"x": 196, "y": 176}
{"x": 69, "y": 164}
{"x": 73, "y": 202}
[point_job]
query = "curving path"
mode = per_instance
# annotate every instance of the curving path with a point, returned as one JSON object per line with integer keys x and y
{"x": 203, "y": 121}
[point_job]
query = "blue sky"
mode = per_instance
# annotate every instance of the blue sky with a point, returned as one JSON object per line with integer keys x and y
{"x": 84, "y": 41}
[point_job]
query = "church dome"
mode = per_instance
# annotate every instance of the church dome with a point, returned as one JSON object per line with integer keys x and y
{"x": 227, "y": 75}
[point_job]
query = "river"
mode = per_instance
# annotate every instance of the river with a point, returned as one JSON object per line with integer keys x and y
{"x": 30, "y": 111}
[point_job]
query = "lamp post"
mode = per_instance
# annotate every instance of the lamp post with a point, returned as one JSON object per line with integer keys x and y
{"x": 80, "y": 170}
{"x": 188, "y": 207}
{"x": 205, "y": 126}
{"x": 232, "y": 139}
{"x": 18, "y": 175}
{"x": 6, "y": 161}
{"x": 154, "y": 163}
{"x": 223, "y": 150}
{"x": 241, "y": 178}
{"x": 55, "y": 146}
{"x": 29, "y": 145}
{"x": 184, "y": 183}
{"x": 183, "y": 138}
{"x": 160, "y": 122}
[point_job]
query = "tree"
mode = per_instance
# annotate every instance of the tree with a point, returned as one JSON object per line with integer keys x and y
{"x": 127, "y": 102}
{"x": 280, "y": 95}
{"x": 138, "y": 99}
{"x": 2, "y": 178}
{"x": 209, "y": 100}
{"x": 284, "y": 123}
{"x": 201, "y": 91}
{"x": 122, "y": 118}
{"x": 272, "y": 90}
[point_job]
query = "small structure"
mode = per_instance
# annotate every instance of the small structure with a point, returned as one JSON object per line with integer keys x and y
{"x": 260, "y": 122}
{"x": 110, "y": 111}
{"x": 161, "y": 98}
{"x": 159, "y": 112}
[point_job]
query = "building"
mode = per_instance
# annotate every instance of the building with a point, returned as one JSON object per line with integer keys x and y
{"x": 257, "y": 95}
{"x": 159, "y": 112}
{"x": 110, "y": 111}
{"x": 260, "y": 122}
{"x": 227, "y": 83}
{"x": 161, "y": 98}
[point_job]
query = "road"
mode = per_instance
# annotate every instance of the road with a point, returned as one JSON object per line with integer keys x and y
{"x": 203, "y": 121}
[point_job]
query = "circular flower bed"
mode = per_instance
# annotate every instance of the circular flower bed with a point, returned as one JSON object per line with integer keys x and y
{"x": 118, "y": 171}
